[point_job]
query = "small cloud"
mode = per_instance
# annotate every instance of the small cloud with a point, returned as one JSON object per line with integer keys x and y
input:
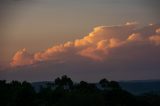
{"x": 134, "y": 37}
{"x": 155, "y": 39}
{"x": 158, "y": 31}
{"x": 22, "y": 57}
{"x": 131, "y": 23}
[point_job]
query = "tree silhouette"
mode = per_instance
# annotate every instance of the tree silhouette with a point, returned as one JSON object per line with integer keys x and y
{"x": 104, "y": 83}
{"x": 64, "y": 82}
{"x": 16, "y": 93}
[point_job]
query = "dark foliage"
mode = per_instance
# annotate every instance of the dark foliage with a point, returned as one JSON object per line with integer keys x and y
{"x": 64, "y": 93}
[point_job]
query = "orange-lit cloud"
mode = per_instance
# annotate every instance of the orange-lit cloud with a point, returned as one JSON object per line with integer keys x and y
{"x": 22, "y": 57}
{"x": 134, "y": 37}
{"x": 155, "y": 39}
{"x": 96, "y": 46}
{"x": 158, "y": 31}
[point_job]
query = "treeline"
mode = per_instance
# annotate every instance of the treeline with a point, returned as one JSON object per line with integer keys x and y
{"x": 63, "y": 92}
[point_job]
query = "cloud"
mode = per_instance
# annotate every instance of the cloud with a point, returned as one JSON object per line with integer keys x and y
{"x": 116, "y": 52}
{"x": 158, "y": 31}
{"x": 96, "y": 46}
{"x": 134, "y": 37}
{"x": 22, "y": 57}
{"x": 132, "y": 23}
{"x": 155, "y": 39}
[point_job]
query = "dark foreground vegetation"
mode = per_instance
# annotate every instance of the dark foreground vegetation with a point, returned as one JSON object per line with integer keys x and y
{"x": 63, "y": 92}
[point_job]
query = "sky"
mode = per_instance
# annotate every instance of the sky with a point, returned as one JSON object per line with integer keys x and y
{"x": 85, "y": 39}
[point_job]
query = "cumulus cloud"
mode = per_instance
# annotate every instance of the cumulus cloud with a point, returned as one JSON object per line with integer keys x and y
{"x": 155, "y": 39}
{"x": 22, "y": 57}
{"x": 115, "y": 52}
{"x": 96, "y": 46}
{"x": 134, "y": 37}
{"x": 158, "y": 31}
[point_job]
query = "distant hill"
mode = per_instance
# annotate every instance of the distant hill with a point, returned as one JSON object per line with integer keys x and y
{"x": 135, "y": 87}
{"x": 141, "y": 86}
{"x": 38, "y": 85}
